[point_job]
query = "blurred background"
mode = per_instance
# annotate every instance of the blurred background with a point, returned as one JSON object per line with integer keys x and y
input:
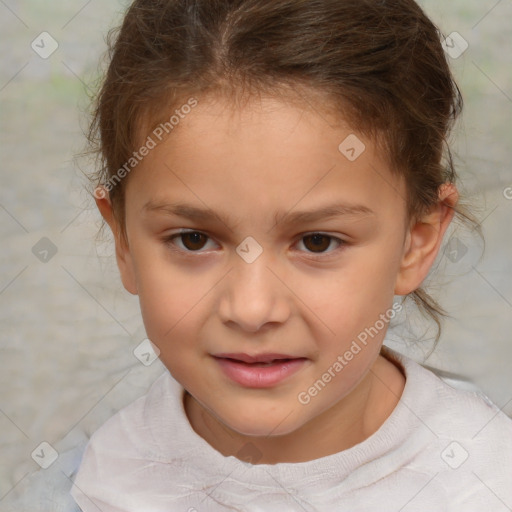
{"x": 69, "y": 330}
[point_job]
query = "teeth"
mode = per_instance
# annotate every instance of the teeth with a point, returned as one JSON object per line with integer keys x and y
{"x": 262, "y": 364}
{"x": 269, "y": 363}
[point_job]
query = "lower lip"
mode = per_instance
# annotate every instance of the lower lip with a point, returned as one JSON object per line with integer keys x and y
{"x": 259, "y": 376}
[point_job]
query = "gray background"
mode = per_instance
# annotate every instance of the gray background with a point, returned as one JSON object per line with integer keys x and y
{"x": 68, "y": 327}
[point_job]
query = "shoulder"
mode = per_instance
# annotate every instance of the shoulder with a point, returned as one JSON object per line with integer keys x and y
{"x": 436, "y": 387}
{"x": 129, "y": 435}
{"x": 454, "y": 405}
{"x": 451, "y": 406}
{"x": 468, "y": 438}
{"x": 139, "y": 458}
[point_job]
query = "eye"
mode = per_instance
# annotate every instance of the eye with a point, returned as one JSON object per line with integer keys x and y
{"x": 317, "y": 243}
{"x": 192, "y": 241}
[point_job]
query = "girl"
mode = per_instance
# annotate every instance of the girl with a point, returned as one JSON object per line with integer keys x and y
{"x": 276, "y": 175}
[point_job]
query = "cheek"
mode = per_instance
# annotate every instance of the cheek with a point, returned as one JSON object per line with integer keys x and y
{"x": 166, "y": 303}
{"x": 350, "y": 304}
{"x": 166, "y": 293}
{"x": 170, "y": 307}
{"x": 357, "y": 292}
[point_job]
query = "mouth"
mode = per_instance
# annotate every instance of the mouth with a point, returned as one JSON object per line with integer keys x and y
{"x": 265, "y": 364}
{"x": 259, "y": 371}
{"x": 258, "y": 359}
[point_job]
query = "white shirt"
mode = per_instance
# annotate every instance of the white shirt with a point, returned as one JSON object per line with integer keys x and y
{"x": 441, "y": 449}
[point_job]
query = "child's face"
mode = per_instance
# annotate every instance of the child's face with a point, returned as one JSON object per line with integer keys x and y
{"x": 305, "y": 297}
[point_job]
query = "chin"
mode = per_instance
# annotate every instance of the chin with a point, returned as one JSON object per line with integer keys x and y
{"x": 263, "y": 425}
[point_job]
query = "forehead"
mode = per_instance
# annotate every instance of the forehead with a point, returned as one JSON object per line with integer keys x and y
{"x": 265, "y": 153}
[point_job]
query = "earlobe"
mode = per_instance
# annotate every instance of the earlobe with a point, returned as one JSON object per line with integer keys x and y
{"x": 123, "y": 254}
{"x": 424, "y": 239}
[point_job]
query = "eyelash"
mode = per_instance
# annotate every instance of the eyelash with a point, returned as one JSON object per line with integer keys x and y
{"x": 169, "y": 240}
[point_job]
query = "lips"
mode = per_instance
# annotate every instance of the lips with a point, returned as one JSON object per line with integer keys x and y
{"x": 257, "y": 358}
{"x": 259, "y": 371}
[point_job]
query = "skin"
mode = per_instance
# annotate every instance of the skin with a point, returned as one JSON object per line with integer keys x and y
{"x": 247, "y": 163}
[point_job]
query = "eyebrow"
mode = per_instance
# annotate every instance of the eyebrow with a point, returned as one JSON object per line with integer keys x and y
{"x": 289, "y": 218}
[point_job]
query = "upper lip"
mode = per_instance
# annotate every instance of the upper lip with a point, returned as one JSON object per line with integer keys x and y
{"x": 257, "y": 358}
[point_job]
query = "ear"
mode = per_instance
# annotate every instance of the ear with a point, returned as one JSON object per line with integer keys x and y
{"x": 423, "y": 240}
{"x": 123, "y": 255}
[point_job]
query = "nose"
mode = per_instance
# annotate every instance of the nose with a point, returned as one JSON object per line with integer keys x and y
{"x": 254, "y": 295}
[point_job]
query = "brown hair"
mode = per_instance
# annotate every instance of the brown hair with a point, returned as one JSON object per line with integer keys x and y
{"x": 377, "y": 63}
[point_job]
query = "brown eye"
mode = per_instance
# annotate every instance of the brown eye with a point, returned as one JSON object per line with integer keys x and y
{"x": 317, "y": 242}
{"x": 194, "y": 240}
{"x": 187, "y": 241}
